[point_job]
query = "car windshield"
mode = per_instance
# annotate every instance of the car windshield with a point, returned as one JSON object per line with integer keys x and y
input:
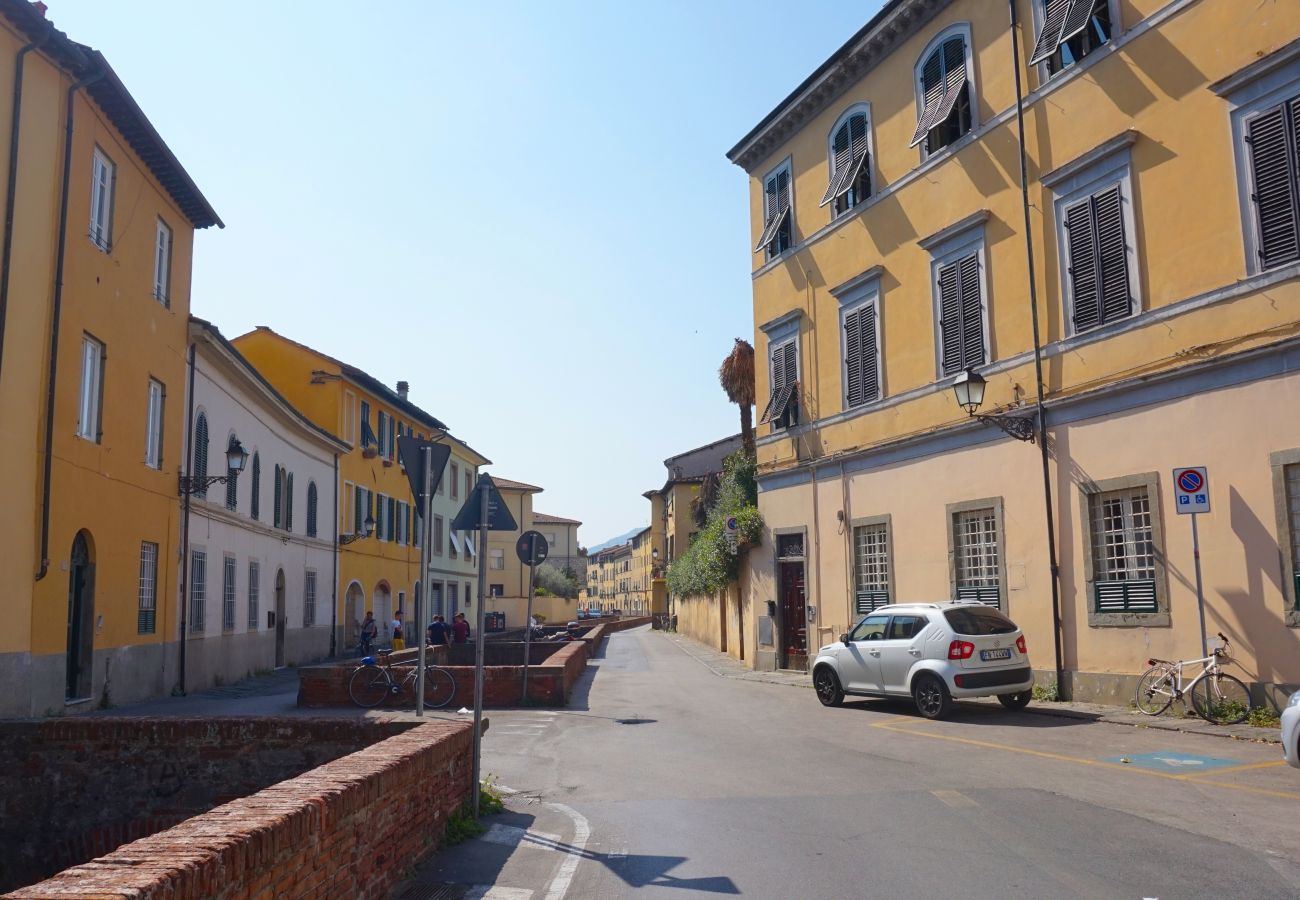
{"x": 978, "y": 620}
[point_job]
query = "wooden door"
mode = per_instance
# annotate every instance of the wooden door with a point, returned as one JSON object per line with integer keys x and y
{"x": 794, "y": 626}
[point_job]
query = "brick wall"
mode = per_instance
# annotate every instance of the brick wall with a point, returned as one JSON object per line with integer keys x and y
{"x": 347, "y": 829}
{"x": 72, "y": 789}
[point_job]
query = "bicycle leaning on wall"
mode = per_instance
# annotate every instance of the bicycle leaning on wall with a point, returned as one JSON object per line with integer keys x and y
{"x": 374, "y": 682}
{"x": 1217, "y": 697}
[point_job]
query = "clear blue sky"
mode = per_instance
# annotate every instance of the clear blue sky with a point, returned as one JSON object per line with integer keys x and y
{"x": 522, "y": 208}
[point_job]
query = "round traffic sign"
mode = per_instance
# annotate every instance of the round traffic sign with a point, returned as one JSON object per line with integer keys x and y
{"x": 1190, "y": 481}
{"x": 532, "y": 548}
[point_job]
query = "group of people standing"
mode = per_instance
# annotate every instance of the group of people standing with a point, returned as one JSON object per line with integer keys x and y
{"x": 439, "y": 632}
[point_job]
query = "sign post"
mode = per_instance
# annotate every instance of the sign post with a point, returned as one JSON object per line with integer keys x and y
{"x": 531, "y": 549}
{"x": 421, "y": 603}
{"x": 1192, "y": 496}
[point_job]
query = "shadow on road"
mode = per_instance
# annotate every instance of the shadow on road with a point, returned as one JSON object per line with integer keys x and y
{"x": 640, "y": 870}
{"x": 972, "y": 714}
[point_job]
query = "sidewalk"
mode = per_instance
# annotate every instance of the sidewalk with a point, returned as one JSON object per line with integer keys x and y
{"x": 724, "y": 666}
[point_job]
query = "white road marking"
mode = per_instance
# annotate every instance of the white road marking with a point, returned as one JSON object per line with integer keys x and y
{"x": 559, "y": 886}
{"x": 493, "y": 892}
{"x": 955, "y": 799}
{"x": 511, "y": 835}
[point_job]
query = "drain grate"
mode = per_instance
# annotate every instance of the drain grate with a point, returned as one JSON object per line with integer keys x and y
{"x": 635, "y": 720}
{"x": 434, "y": 892}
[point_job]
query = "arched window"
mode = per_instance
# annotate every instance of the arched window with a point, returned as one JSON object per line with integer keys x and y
{"x": 311, "y": 509}
{"x": 277, "y": 515}
{"x": 200, "y": 468}
{"x": 944, "y": 91}
{"x": 849, "y": 182}
{"x": 257, "y": 486}
{"x": 232, "y": 482}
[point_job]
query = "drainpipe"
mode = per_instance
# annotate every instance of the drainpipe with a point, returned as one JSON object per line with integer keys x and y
{"x": 1038, "y": 361}
{"x": 334, "y": 615}
{"x": 14, "y": 128}
{"x": 91, "y": 78}
{"x": 185, "y": 515}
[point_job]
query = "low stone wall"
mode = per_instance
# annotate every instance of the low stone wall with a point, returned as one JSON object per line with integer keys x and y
{"x": 552, "y": 672}
{"x": 76, "y": 788}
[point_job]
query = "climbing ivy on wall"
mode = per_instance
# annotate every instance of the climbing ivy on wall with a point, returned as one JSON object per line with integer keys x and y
{"x": 711, "y": 562}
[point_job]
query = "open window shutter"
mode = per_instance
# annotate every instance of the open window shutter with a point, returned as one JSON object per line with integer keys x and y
{"x": 1273, "y": 165}
{"x": 1076, "y": 19}
{"x": 853, "y": 358}
{"x": 954, "y": 79}
{"x": 842, "y": 150}
{"x": 777, "y": 384}
{"x": 950, "y": 319}
{"x": 972, "y": 312}
{"x": 776, "y": 201}
{"x": 1083, "y": 268}
{"x": 791, "y": 365}
{"x": 933, "y": 84}
{"x": 1050, "y": 36}
{"x": 279, "y": 498}
{"x": 1108, "y": 213}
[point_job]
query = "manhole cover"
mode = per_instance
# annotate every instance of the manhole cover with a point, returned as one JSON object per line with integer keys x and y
{"x": 635, "y": 721}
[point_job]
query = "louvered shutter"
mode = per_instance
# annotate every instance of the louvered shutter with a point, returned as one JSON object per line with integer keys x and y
{"x": 791, "y": 365}
{"x": 870, "y": 355}
{"x": 1083, "y": 267}
{"x": 950, "y": 319}
{"x": 1273, "y": 137}
{"x": 1112, "y": 252}
{"x": 1050, "y": 36}
{"x": 257, "y": 486}
{"x": 841, "y": 159}
{"x": 311, "y": 509}
{"x": 1076, "y": 19}
{"x": 778, "y": 382}
{"x": 932, "y": 84}
{"x": 358, "y": 509}
{"x": 954, "y": 79}
{"x": 776, "y": 199}
{"x": 288, "y": 502}
{"x": 277, "y": 513}
{"x": 201, "y": 453}
{"x": 972, "y": 312}
{"x": 853, "y": 357}
{"x": 860, "y": 356}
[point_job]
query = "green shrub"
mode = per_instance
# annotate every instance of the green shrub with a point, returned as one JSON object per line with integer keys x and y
{"x": 552, "y": 582}
{"x": 711, "y": 562}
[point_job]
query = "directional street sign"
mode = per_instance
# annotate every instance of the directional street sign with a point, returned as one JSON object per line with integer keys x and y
{"x": 532, "y": 548}
{"x": 499, "y": 518}
{"x": 408, "y": 451}
{"x": 1191, "y": 490}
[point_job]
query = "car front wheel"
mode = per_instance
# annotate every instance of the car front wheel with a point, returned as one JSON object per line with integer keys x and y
{"x": 1017, "y": 700}
{"x": 827, "y": 685}
{"x": 931, "y": 695}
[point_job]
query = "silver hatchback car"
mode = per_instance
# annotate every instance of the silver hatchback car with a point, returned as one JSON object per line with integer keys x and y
{"x": 932, "y": 652}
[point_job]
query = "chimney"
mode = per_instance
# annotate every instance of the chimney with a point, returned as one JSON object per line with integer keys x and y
{"x": 40, "y": 7}
{"x": 403, "y": 388}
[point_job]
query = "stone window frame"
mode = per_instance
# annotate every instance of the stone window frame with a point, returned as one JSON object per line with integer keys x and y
{"x": 951, "y": 511}
{"x": 1290, "y": 602}
{"x": 1150, "y": 481}
{"x": 887, "y": 520}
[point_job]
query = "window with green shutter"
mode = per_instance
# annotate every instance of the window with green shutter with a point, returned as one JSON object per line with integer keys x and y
{"x": 1273, "y": 139}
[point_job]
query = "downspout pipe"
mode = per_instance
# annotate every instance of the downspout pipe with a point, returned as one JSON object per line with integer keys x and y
{"x": 1040, "y": 409}
{"x": 185, "y": 515}
{"x": 94, "y": 75}
{"x": 334, "y": 614}
{"x": 15, "y": 128}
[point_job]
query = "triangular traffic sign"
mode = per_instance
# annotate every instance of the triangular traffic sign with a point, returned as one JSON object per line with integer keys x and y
{"x": 499, "y": 518}
{"x": 408, "y": 451}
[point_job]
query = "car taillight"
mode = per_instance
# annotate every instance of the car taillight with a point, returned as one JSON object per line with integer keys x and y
{"x": 1020, "y": 645}
{"x": 960, "y": 650}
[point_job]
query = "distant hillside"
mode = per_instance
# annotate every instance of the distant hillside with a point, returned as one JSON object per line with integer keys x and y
{"x": 621, "y": 539}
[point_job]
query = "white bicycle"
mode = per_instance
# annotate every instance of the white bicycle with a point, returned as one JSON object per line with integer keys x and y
{"x": 1216, "y": 696}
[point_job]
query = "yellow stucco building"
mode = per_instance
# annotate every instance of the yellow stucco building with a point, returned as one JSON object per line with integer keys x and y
{"x": 507, "y": 577}
{"x": 1156, "y": 283}
{"x": 94, "y": 306}
{"x": 379, "y": 569}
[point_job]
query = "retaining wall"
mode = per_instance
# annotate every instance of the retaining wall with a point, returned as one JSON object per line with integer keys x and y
{"x": 348, "y": 829}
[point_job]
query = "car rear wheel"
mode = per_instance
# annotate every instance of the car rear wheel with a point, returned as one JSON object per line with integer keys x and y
{"x": 827, "y": 685}
{"x": 931, "y": 696}
{"x": 1018, "y": 700}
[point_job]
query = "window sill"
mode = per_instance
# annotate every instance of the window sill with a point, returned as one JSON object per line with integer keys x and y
{"x": 1129, "y": 620}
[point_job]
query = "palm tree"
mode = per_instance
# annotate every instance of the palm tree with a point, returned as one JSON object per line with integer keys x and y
{"x": 736, "y": 375}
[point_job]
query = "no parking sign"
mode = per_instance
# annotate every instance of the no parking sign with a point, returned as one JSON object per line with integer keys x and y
{"x": 1191, "y": 490}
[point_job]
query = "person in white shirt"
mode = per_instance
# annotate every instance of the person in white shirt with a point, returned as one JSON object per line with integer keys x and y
{"x": 399, "y": 638}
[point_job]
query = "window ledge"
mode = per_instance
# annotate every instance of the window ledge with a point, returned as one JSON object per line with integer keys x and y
{"x": 1128, "y": 620}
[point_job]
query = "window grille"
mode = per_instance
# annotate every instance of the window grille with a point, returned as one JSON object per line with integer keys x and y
{"x": 870, "y": 567}
{"x": 146, "y": 618}
{"x": 228, "y": 594}
{"x": 198, "y": 589}
{"x": 975, "y": 545}
{"x": 1124, "y": 567}
{"x": 309, "y": 599}
{"x": 254, "y": 593}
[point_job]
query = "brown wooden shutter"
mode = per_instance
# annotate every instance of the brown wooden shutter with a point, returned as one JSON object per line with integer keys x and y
{"x": 1112, "y": 252}
{"x": 1273, "y": 137}
{"x": 1083, "y": 267}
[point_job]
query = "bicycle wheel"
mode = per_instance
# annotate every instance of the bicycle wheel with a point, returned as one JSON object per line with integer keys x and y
{"x": 439, "y": 687}
{"x": 368, "y": 686}
{"x": 1155, "y": 691}
{"x": 1221, "y": 699}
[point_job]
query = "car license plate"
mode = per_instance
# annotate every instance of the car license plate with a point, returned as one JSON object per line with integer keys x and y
{"x": 1004, "y": 653}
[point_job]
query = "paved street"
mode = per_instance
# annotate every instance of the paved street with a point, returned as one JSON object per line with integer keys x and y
{"x": 665, "y": 774}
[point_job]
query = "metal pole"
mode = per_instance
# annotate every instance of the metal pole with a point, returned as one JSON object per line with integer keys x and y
{"x": 426, "y": 458}
{"x": 528, "y": 619}
{"x": 1054, "y": 566}
{"x": 478, "y": 650}
{"x": 1200, "y": 597}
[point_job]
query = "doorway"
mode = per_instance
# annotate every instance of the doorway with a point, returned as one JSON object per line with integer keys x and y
{"x": 81, "y": 619}
{"x": 279, "y": 618}
{"x": 352, "y": 615}
{"x": 794, "y": 625}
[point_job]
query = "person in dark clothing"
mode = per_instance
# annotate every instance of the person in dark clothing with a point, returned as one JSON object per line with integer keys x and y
{"x": 439, "y": 632}
{"x": 460, "y": 629}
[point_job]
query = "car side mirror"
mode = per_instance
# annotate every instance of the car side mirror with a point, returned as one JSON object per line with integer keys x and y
{"x": 844, "y": 639}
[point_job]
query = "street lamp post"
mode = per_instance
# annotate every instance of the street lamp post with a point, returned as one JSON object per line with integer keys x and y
{"x": 236, "y": 457}
{"x": 367, "y": 529}
{"x": 969, "y": 390}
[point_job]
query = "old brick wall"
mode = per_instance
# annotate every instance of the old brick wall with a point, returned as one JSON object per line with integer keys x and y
{"x": 72, "y": 789}
{"x": 347, "y": 829}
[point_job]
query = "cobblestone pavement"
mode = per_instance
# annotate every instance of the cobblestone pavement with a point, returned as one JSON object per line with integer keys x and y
{"x": 725, "y": 666}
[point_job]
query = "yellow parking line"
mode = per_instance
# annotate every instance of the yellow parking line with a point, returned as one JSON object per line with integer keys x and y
{"x": 1226, "y": 769}
{"x": 1061, "y": 757}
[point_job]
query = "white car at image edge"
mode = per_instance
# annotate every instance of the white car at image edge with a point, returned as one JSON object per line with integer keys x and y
{"x": 931, "y": 652}
{"x": 1291, "y": 730}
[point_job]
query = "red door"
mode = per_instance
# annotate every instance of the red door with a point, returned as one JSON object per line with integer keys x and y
{"x": 794, "y": 627}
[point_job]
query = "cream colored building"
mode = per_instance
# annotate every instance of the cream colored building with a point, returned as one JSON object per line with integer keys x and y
{"x": 1156, "y": 287}
{"x": 508, "y": 577}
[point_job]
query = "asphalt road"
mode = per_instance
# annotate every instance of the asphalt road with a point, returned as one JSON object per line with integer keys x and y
{"x": 663, "y": 778}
